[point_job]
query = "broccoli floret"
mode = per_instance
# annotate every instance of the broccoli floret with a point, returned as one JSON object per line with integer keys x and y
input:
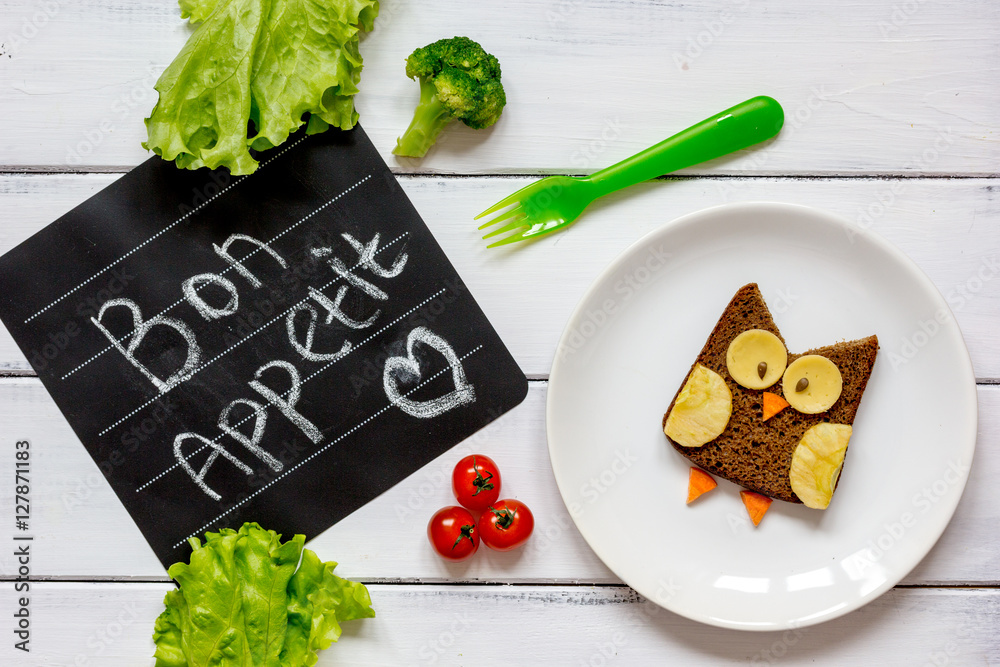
{"x": 458, "y": 79}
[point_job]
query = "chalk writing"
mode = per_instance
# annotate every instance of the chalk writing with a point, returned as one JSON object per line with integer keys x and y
{"x": 306, "y": 348}
{"x": 253, "y": 442}
{"x": 367, "y": 254}
{"x": 141, "y": 328}
{"x": 199, "y": 477}
{"x": 190, "y": 289}
{"x": 223, "y": 252}
{"x": 409, "y": 367}
{"x": 287, "y": 405}
{"x": 285, "y": 401}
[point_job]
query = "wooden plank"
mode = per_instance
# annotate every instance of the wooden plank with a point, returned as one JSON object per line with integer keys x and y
{"x": 111, "y": 625}
{"x": 950, "y": 227}
{"x": 81, "y": 529}
{"x": 868, "y": 87}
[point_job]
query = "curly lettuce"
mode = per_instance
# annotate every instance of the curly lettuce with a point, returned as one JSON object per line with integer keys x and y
{"x": 246, "y": 598}
{"x": 252, "y": 73}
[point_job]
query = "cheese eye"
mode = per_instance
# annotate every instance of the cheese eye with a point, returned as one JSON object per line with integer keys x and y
{"x": 812, "y": 384}
{"x": 756, "y": 359}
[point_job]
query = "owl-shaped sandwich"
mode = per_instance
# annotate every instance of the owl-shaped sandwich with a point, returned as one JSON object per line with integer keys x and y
{"x": 775, "y": 423}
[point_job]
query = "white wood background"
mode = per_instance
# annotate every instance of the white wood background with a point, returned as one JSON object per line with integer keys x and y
{"x": 892, "y": 116}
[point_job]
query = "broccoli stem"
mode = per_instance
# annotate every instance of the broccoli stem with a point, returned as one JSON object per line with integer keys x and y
{"x": 430, "y": 117}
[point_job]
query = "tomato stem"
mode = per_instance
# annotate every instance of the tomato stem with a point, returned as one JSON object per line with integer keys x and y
{"x": 504, "y": 518}
{"x": 466, "y": 534}
{"x": 481, "y": 483}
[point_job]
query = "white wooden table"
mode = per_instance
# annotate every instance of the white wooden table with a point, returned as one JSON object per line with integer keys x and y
{"x": 892, "y": 117}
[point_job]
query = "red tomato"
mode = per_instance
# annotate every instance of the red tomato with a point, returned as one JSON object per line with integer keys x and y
{"x": 453, "y": 533}
{"x": 476, "y": 482}
{"x": 506, "y": 525}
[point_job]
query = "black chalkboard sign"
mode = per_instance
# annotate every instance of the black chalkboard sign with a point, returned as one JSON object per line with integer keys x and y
{"x": 281, "y": 347}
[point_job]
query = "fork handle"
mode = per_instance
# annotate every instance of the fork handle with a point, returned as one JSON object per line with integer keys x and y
{"x": 738, "y": 127}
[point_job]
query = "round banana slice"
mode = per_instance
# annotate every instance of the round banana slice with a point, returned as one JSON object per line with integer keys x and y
{"x": 756, "y": 359}
{"x": 702, "y": 409}
{"x": 812, "y": 384}
{"x": 816, "y": 463}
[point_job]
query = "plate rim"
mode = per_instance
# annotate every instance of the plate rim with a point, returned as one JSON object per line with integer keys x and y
{"x": 946, "y": 513}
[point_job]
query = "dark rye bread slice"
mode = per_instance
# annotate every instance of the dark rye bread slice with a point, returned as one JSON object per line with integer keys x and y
{"x": 753, "y": 453}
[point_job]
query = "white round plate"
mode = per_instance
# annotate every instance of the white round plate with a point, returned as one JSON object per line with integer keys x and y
{"x": 631, "y": 341}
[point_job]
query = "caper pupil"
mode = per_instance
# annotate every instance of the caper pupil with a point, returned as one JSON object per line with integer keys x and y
{"x": 802, "y": 384}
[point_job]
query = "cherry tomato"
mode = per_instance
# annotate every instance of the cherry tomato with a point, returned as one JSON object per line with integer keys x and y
{"x": 453, "y": 533}
{"x": 476, "y": 482}
{"x": 506, "y": 525}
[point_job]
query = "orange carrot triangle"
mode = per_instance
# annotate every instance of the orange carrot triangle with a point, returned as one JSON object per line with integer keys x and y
{"x": 756, "y": 505}
{"x": 699, "y": 482}
{"x": 773, "y": 404}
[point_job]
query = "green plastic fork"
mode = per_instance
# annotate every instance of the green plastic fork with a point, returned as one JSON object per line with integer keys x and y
{"x": 556, "y": 202}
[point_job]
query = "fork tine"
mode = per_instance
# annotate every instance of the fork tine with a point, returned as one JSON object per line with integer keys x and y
{"x": 517, "y": 210}
{"x": 513, "y": 238}
{"x": 530, "y": 232}
{"x": 517, "y": 222}
{"x": 506, "y": 201}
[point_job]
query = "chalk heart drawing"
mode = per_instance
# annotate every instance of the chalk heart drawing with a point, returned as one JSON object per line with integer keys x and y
{"x": 408, "y": 367}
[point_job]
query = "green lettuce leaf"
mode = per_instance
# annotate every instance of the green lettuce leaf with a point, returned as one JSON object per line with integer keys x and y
{"x": 167, "y": 633}
{"x": 209, "y": 609}
{"x": 265, "y": 566}
{"x": 248, "y": 599}
{"x": 319, "y": 73}
{"x": 200, "y": 118}
{"x": 197, "y": 10}
{"x": 319, "y": 601}
{"x": 253, "y": 72}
